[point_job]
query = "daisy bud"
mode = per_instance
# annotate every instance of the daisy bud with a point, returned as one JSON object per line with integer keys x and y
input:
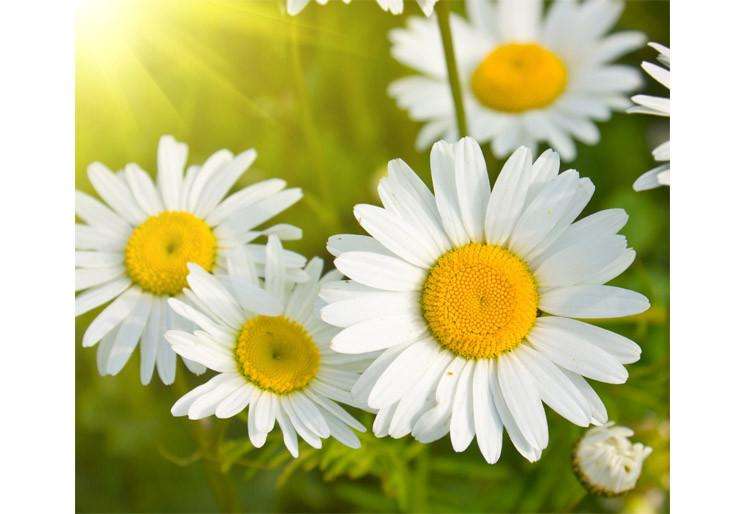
{"x": 607, "y": 462}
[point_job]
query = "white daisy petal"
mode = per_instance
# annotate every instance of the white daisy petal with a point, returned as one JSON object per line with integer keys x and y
{"x": 211, "y": 291}
{"x": 128, "y": 334}
{"x": 554, "y": 387}
{"x": 413, "y": 404}
{"x": 446, "y": 197}
{"x": 289, "y": 435}
{"x": 111, "y": 316}
{"x": 259, "y": 212}
{"x": 508, "y": 196}
{"x": 462, "y": 420}
{"x": 487, "y": 424}
{"x": 341, "y": 243}
{"x": 116, "y": 193}
{"x": 93, "y": 259}
{"x": 379, "y": 333}
{"x": 235, "y": 402}
{"x": 182, "y": 405}
{"x": 472, "y": 187}
{"x": 598, "y": 410}
{"x": 370, "y": 306}
{"x": 593, "y": 301}
{"x": 97, "y": 215}
{"x": 623, "y": 349}
{"x": 573, "y": 352}
{"x": 523, "y": 400}
{"x": 521, "y": 443}
{"x": 395, "y": 235}
{"x": 149, "y": 342}
{"x": 99, "y": 295}
{"x": 300, "y": 427}
{"x": 380, "y": 271}
{"x": 143, "y": 189}
{"x": 402, "y": 374}
{"x": 172, "y": 157}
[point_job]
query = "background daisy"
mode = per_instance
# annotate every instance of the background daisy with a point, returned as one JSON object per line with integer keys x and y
{"x": 657, "y": 106}
{"x": 134, "y": 249}
{"x": 392, "y": 6}
{"x": 270, "y": 349}
{"x": 526, "y": 78}
{"x": 472, "y": 295}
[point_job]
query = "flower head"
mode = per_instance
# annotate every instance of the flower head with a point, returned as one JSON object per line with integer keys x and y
{"x": 270, "y": 349}
{"x": 657, "y": 106}
{"x": 469, "y": 298}
{"x": 607, "y": 462}
{"x": 526, "y": 79}
{"x": 135, "y": 249}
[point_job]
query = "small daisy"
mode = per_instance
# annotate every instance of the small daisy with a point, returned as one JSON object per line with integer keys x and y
{"x": 392, "y": 6}
{"x": 135, "y": 249}
{"x": 606, "y": 462}
{"x": 525, "y": 80}
{"x": 472, "y": 295}
{"x": 270, "y": 349}
{"x": 657, "y": 106}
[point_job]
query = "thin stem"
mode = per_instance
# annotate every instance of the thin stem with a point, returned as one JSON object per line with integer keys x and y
{"x": 443, "y": 11}
{"x": 207, "y": 435}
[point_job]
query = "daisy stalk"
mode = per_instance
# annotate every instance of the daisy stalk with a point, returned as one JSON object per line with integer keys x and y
{"x": 443, "y": 13}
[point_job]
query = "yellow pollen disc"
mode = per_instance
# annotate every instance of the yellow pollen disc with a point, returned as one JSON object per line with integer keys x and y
{"x": 159, "y": 249}
{"x": 479, "y": 301}
{"x": 277, "y": 354}
{"x": 518, "y": 77}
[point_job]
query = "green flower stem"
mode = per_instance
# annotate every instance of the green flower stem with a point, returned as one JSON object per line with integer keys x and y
{"x": 443, "y": 11}
{"x": 207, "y": 434}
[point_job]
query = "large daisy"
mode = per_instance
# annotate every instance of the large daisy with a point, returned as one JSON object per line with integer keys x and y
{"x": 525, "y": 79}
{"x": 472, "y": 294}
{"x": 270, "y": 349}
{"x": 657, "y": 106}
{"x": 392, "y": 6}
{"x": 135, "y": 248}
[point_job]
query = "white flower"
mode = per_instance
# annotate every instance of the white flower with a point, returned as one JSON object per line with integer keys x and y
{"x": 451, "y": 286}
{"x": 270, "y": 349}
{"x": 525, "y": 79}
{"x": 135, "y": 249}
{"x": 657, "y": 106}
{"x": 606, "y": 462}
{"x": 392, "y": 6}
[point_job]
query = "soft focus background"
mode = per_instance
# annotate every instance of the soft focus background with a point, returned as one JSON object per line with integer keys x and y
{"x": 309, "y": 93}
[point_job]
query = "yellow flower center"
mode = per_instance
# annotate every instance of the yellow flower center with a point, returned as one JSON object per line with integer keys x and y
{"x": 277, "y": 354}
{"x": 479, "y": 301}
{"x": 518, "y": 77}
{"x": 159, "y": 249}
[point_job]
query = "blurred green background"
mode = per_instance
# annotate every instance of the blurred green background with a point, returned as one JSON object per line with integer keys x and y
{"x": 309, "y": 93}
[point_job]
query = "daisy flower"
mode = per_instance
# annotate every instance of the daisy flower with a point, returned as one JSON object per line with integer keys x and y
{"x": 270, "y": 349}
{"x": 606, "y": 462}
{"x": 657, "y": 106}
{"x": 135, "y": 248}
{"x": 525, "y": 79}
{"x": 392, "y": 6}
{"x": 472, "y": 294}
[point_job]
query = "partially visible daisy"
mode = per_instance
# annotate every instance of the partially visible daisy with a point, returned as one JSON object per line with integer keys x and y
{"x": 472, "y": 294}
{"x": 392, "y": 6}
{"x": 135, "y": 248}
{"x": 607, "y": 462}
{"x": 526, "y": 79}
{"x": 657, "y": 106}
{"x": 270, "y": 349}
